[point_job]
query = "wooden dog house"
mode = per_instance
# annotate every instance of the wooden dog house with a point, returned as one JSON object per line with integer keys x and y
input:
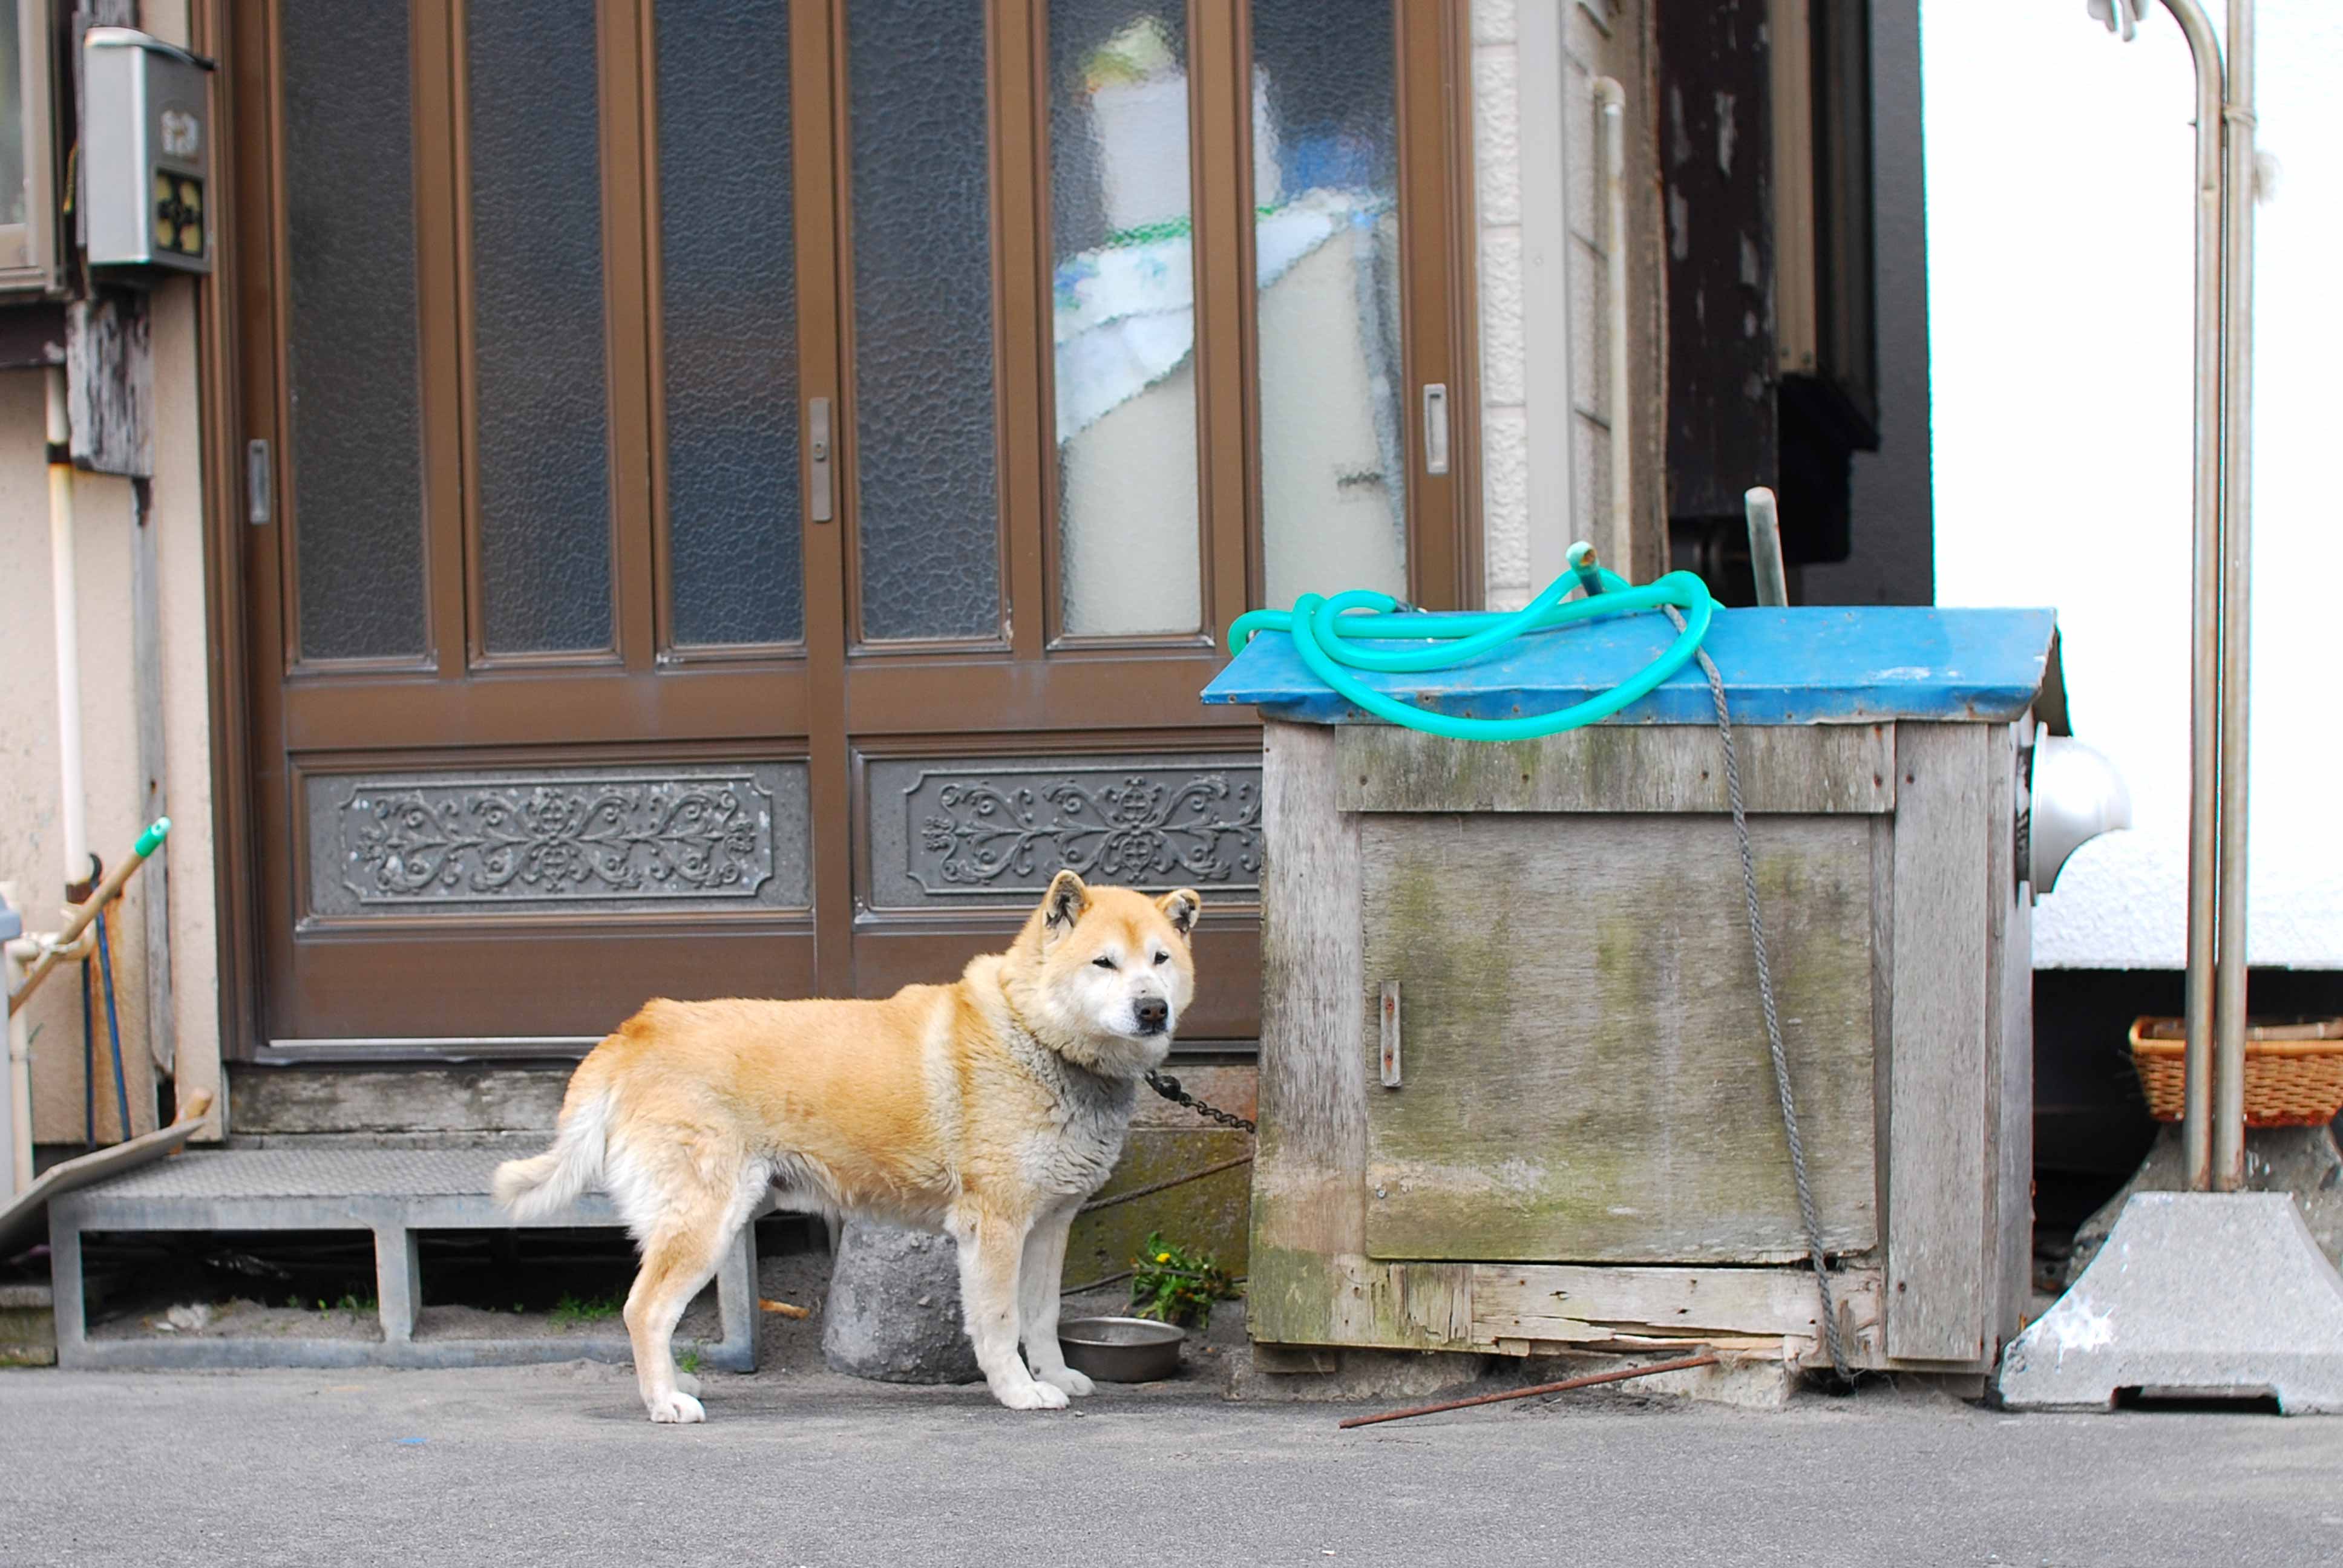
{"x": 1515, "y": 1093}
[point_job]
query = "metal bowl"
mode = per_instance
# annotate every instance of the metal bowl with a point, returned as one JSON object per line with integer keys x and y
{"x": 1122, "y": 1350}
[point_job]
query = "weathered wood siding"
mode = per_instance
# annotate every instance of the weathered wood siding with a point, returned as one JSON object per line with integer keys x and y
{"x": 1549, "y": 1305}
{"x": 1624, "y": 768}
{"x": 1586, "y": 1074}
{"x": 1938, "y": 1259}
{"x": 1309, "y": 1175}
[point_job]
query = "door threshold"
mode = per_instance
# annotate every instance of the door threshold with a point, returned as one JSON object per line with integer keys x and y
{"x": 426, "y": 1049}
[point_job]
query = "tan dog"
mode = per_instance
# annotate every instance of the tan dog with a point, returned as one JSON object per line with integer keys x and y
{"x": 990, "y": 1108}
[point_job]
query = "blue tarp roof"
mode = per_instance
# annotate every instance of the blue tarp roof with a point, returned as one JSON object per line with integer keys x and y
{"x": 1799, "y": 666}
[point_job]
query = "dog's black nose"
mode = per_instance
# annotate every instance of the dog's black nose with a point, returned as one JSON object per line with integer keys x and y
{"x": 1151, "y": 1010}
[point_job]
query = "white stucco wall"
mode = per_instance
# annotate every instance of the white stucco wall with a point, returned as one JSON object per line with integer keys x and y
{"x": 2059, "y": 260}
{"x": 1545, "y": 401}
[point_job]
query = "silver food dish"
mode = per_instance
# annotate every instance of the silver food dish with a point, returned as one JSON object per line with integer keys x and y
{"x": 1122, "y": 1350}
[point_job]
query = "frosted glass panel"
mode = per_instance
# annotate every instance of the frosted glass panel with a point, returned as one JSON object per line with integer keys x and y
{"x": 12, "y": 119}
{"x": 543, "y": 415}
{"x": 355, "y": 443}
{"x": 1124, "y": 317}
{"x": 1326, "y": 178}
{"x": 728, "y": 313}
{"x": 929, "y": 532}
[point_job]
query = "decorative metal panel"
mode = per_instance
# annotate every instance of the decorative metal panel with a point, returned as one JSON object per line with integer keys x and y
{"x": 997, "y": 830}
{"x": 619, "y": 838}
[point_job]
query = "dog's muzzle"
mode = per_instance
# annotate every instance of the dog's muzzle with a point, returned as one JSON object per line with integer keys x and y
{"x": 1152, "y": 1013}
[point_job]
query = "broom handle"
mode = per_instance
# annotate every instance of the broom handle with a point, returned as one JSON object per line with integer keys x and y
{"x": 80, "y": 915}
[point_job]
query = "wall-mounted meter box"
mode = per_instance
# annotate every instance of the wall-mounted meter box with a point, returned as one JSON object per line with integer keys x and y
{"x": 146, "y": 153}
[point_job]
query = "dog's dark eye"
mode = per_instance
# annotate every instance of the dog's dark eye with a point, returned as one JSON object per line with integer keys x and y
{"x": 1103, "y": 962}
{"x": 1162, "y": 958}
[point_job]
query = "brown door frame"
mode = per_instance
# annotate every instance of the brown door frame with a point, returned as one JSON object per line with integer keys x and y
{"x": 1038, "y": 691}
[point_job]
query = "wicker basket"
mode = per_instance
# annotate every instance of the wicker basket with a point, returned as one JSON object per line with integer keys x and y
{"x": 2294, "y": 1072}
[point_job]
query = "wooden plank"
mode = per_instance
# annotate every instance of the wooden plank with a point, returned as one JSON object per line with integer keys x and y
{"x": 2010, "y": 985}
{"x": 1803, "y": 769}
{"x": 154, "y": 801}
{"x": 1309, "y": 1178}
{"x": 1403, "y": 1306}
{"x": 1936, "y": 1258}
{"x": 110, "y": 384}
{"x": 1587, "y": 1074}
{"x": 1883, "y": 988}
{"x": 1557, "y": 1303}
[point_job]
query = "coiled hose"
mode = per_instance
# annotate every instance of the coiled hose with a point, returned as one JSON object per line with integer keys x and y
{"x": 1326, "y": 632}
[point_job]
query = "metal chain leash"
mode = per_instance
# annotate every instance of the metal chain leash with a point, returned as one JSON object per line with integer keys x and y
{"x": 1164, "y": 1084}
{"x": 1806, "y": 1212}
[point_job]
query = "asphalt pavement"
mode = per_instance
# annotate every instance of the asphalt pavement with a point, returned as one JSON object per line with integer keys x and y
{"x": 556, "y": 1466}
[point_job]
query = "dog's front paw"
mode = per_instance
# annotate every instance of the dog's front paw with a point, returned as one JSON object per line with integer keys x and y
{"x": 1068, "y": 1380}
{"x": 1031, "y": 1396}
{"x": 677, "y": 1407}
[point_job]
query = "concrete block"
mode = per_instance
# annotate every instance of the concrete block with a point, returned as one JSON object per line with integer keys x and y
{"x": 395, "y": 1193}
{"x": 2303, "y": 1162}
{"x": 893, "y": 1313}
{"x": 28, "y": 1326}
{"x": 1306, "y": 1374}
{"x": 2195, "y": 1294}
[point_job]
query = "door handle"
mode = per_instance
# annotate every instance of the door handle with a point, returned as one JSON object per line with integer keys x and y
{"x": 1435, "y": 427}
{"x": 1389, "y": 1022}
{"x": 817, "y": 458}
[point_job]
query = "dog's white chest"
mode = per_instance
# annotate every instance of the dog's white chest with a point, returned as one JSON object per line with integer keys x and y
{"x": 1075, "y": 1157}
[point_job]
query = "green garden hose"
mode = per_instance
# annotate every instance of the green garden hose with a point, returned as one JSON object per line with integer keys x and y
{"x": 1326, "y": 632}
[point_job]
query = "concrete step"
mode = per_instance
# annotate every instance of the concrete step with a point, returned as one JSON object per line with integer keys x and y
{"x": 395, "y": 1193}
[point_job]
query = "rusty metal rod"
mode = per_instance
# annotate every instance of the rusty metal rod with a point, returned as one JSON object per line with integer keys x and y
{"x": 1687, "y": 1364}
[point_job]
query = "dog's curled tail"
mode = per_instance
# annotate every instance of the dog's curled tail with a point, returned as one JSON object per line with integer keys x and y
{"x": 535, "y": 1187}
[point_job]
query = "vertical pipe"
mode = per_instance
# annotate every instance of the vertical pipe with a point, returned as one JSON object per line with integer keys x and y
{"x": 2204, "y": 663}
{"x": 2236, "y": 609}
{"x": 63, "y": 592}
{"x": 1765, "y": 547}
{"x": 19, "y": 1108}
{"x": 1613, "y": 100}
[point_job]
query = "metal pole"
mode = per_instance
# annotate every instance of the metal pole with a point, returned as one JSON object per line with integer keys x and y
{"x": 2205, "y": 634}
{"x": 2237, "y": 614}
{"x": 1611, "y": 98}
{"x": 1765, "y": 547}
{"x": 74, "y": 812}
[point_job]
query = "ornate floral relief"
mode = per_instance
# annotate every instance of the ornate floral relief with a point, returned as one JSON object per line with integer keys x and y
{"x": 975, "y": 833}
{"x": 491, "y": 839}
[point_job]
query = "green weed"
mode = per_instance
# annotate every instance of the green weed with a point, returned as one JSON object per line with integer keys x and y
{"x": 570, "y": 1310}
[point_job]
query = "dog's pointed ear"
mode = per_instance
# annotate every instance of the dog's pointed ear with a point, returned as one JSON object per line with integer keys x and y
{"x": 1181, "y": 908}
{"x": 1062, "y": 905}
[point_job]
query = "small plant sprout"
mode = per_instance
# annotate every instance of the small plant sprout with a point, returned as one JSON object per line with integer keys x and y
{"x": 594, "y": 1310}
{"x": 1177, "y": 1284}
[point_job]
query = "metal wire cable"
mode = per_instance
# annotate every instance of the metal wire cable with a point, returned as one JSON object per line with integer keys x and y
{"x": 1806, "y": 1212}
